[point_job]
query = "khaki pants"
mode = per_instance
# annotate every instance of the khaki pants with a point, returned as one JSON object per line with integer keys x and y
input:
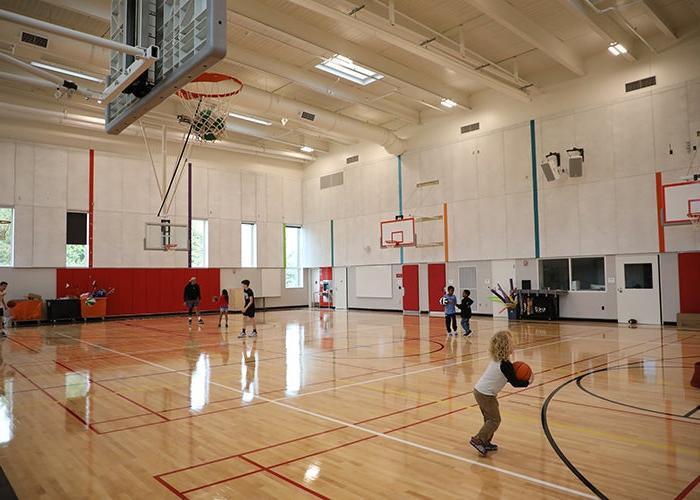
{"x": 492, "y": 417}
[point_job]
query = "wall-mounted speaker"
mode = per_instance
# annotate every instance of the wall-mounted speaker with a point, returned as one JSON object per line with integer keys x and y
{"x": 576, "y": 166}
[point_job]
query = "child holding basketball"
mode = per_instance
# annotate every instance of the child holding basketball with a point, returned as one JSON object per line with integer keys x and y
{"x": 248, "y": 309}
{"x": 449, "y": 300}
{"x": 223, "y": 306}
{"x": 499, "y": 371}
{"x": 465, "y": 311}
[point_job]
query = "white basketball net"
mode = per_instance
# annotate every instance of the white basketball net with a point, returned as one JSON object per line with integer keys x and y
{"x": 694, "y": 220}
{"x": 207, "y": 100}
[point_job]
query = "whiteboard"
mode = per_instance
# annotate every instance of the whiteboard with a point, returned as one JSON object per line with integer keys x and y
{"x": 676, "y": 199}
{"x": 271, "y": 283}
{"x": 373, "y": 282}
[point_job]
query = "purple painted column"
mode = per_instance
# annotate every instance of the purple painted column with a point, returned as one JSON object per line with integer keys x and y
{"x": 189, "y": 214}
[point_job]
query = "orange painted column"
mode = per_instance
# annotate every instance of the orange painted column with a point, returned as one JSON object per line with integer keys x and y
{"x": 660, "y": 209}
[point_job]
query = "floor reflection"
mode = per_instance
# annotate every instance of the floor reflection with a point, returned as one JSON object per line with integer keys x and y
{"x": 199, "y": 383}
{"x": 6, "y": 400}
{"x": 249, "y": 371}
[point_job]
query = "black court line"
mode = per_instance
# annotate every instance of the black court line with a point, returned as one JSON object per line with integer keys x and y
{"x": 6, "y": 491}
{"x": 692, "y": 411}
{"x": 555, "y": 446}
{"x": 631, "y": 365}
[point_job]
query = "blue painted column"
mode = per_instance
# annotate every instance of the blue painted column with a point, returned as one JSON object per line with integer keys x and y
{"x": 535, "y": 202}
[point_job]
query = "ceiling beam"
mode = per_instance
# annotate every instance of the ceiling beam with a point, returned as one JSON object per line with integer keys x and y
{"x": 659, "y": 19}
{"x": 607, "y": 29}
{"x": 318, "y": 83}
{"x": 98, "y": 9}
{"x": 517, "y": 22}
{"x": 293, "y": 27}
{"x": 413, "y": 43}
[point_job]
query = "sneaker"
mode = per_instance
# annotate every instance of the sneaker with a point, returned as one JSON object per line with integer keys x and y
{"x": 478, "y": 446}
{"x": 254, "y": 333}
{"x": 3, "y": 333}
{"x": 189, "y": 321}
{"x": 226, "y": 325}
{"x": 468, "y": 334}
{"x": 241, "y": 335}
{"x": 200, "y": 321}
{"x": 491, "y": 447}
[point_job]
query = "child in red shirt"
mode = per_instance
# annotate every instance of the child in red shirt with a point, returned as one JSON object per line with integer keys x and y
{"x": 223, "y": 306}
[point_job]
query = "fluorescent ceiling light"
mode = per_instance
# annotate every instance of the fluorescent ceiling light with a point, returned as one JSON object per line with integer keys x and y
{"x": 307, "y": 149}
{"x": 344, "y": 67}
{"x": 448, "y": 103}
{"x": 253, "y": 119}
{"x": 616, "y": 49}
{"x": 64, "y": 71}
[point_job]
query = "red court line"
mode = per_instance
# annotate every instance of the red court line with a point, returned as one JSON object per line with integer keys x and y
{"x": 226, "y": 480}
{"x": 171, "y": 488}
{"x": 285, "y": 478}
{"x": 52, "y": 398}
{"x": 12, "y": 339}
{"x": 686, "y": 491}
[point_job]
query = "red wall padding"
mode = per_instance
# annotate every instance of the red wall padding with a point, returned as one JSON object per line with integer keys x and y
{"x": 139, "y": 290}
{"x": 689, "y": 282}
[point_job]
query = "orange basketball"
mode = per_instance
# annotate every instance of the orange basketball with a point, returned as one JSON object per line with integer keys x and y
{"x": 11, "y": 304}
{"x": 522, "y": 370}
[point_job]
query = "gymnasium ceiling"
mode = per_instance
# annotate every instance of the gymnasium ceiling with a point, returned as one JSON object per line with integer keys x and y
{"x": 434, "y": 49}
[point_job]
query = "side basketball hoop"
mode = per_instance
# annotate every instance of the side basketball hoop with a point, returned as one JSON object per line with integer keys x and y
{"x": 207, "y": 100}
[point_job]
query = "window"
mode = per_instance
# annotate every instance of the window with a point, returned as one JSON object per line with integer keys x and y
{"x": 249, "y": 245}
{"x": 7, "y": 215}
{"x": 554, "y": 274}
{"x": 293, "y": 276}
{"x": 76, "y": 239}
{"x": 345, "y": 67}
{"x": 588, "y": 273}
{"x": 200, "y": 243}
{"x": 638, "y": 276}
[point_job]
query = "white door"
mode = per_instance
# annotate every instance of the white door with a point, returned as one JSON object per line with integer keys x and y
{"x": 638, "y": 288}
{"x": 340, "y": 287}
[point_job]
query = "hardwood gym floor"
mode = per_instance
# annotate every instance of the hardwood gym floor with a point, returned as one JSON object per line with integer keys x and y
{"x": 344, "y": 404}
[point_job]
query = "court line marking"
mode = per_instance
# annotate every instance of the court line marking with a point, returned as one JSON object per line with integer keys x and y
{"x": 405, "y": 442}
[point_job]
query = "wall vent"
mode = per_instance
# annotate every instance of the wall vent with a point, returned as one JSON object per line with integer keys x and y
{"x": 469, "y": 128}
{"x": 308, "y": 116}
{"x": 36, "y": 40}
{"x": 332, "y": 180}
{"x": 352, "y": 159}
{"x": 640, "y": 84}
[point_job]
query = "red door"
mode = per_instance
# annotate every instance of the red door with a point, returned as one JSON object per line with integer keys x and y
{"x": 411, "y": 300}
{"x": 436, "y": 286}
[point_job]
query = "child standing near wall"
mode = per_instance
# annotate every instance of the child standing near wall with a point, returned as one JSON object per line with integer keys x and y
{"x": 450, "y": 302}
{"x": 499, "y": 371}
{"x": 223, "y": 306}
{"x": 248, "y": 309}
{"x": 465, "y": 310}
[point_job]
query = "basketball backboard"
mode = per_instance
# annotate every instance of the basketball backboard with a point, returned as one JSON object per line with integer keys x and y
{"x": 191, "y": 36}
{"x": 398, "y": 233}
{"x": 166, "y": 236}
{"x": 681, "y": 200}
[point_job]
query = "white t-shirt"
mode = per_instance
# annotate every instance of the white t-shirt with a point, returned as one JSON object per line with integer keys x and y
{"x": 495, "y": 377}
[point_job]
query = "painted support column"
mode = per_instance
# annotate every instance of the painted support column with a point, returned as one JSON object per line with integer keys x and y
{"x": 660, "y": 209}
{"x": 189, "y": 214}
{"x": 332, "y": 245}
{"x": 535, "y": 202}
{"x": 399, "y": 165}
{"x": 91, "y": 205}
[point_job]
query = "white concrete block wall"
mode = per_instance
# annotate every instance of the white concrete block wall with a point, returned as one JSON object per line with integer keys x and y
{"x": 42, "y": 182}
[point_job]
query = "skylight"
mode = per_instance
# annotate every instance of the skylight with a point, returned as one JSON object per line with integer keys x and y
{"x": 344, "y": 67}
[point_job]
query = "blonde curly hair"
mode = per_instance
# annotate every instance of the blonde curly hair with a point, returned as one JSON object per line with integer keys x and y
{"x": 501, "y": 346}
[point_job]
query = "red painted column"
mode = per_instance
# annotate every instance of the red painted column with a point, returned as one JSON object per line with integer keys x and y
{"x": 660, "y": 209}
{"x": 91, "y": 204}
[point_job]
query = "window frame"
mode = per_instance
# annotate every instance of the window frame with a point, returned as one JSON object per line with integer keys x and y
{"x": 12, "y": 236}
{"x": 87, "y": 240}
{"x": 299, "y": 268}
{"x": 205, "y": 243}
{"x": 605, "y": 273}
{"x": 253, "y": 245}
